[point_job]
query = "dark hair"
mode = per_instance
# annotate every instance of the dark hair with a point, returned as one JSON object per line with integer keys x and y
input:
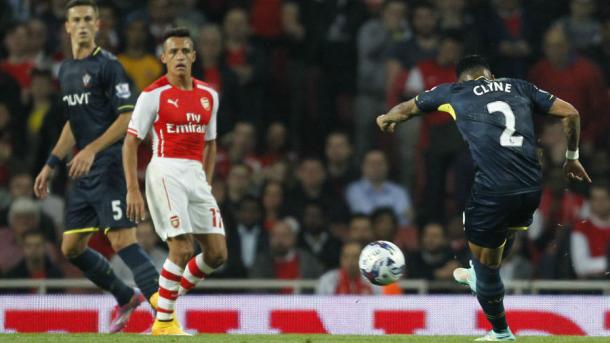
{"x": 471, "y": 62}
{"x": 454, "y": 35}
{"x": 74, "y": 3}
{"x": 384, "y": 211}
{"x": 249, "y": 198}
{"x": 180, "y": 31}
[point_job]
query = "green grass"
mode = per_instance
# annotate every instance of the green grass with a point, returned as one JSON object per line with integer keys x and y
{"x": 95, "y": 338}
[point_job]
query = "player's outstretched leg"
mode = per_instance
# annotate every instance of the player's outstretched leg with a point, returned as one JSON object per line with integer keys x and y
{"x": 196, "y": 270}
{"x": 490, "y": 293}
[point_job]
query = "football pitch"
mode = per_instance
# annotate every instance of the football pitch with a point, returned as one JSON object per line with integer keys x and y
{"x": 103, "y": 338}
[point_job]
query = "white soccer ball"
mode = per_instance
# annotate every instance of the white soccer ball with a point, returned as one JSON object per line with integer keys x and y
{"x": 382, "y": 263}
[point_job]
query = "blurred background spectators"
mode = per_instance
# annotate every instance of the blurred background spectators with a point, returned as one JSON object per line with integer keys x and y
{"x": 300, "y": 84}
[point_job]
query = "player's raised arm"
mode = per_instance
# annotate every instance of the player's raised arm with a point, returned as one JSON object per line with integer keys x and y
{"x": 399, "y": 113}
{"x": 571, "y": 125}
{"x": 427, "y": 101}
{"x": 64, "y": 144}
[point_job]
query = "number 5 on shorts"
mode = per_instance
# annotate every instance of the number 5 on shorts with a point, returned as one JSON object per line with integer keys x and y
{"x": 216, "y": 218}
{"x": 117, "y": 212}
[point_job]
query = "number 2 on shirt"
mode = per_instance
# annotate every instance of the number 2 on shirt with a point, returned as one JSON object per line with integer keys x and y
{"x": 506, "y": 138}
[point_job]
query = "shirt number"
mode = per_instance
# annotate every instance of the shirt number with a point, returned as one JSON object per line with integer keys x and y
{"x": 216, "y": 218}
{"x": 117, "y": 212}
{"x": 507, "y": 138}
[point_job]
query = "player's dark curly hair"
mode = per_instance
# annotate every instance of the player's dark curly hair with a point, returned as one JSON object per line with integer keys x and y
{"x": 74, "y": 3}
{"x": 176, "y": 32}
{"x": 471, "y": 62}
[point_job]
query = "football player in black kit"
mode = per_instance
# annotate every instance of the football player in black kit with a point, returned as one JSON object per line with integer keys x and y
{"x": 98, "y": 99}
{"x": 494, "y": 117}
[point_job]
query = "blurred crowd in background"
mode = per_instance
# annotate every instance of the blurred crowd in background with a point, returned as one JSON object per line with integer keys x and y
{"x": 303, "y": 177}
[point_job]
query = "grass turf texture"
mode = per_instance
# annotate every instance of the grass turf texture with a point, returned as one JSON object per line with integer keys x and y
{"x": 95, "y": 338}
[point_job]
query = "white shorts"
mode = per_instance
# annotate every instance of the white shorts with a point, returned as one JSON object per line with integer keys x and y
{"x": 180, "y": 199}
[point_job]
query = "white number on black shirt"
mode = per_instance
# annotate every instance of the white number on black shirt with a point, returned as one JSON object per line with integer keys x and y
{"x": 506, "y": 139}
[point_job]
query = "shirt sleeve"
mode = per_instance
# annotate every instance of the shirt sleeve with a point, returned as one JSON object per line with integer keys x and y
{"x": 430, "y": 100}
{"x": 143, "y": 115}
{"x": 210, "y": 134}
{"x": 541, "y": 99}
{"x": 119, "y": 87}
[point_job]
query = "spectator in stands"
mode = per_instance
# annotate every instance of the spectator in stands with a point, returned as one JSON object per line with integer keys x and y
{"x": 374, "y": 190}
{"x": 422, "y": 45}
{"x": 578, "y": 81}
{"x": 440, "y": 142}
{"x": 37, "y": 42}
{"x": 21, "y": 185}
{"x": 315, "y": 236}
{"x": 508, "y": 35}
{"x": 44, "y": 119}
{"x": 273, "y": 204}
{"x": 17, "y": 63}
{"x": 36, "y": 263}
{"x": 149, "y": 241}
{"x": 239, "y": 184}
{"x": 375, "y": 39}
{"x": 453, "y": 15}
{"x": 284, "y": 260}
{"x": 276, "y": 144}
{"x": 247, "y": 238}
{"x": 385, "y": 224}
{"x": 340, "y": 167}
{"x": 590, "y": 238}
{"x": 601, "y": 52}
{"x": 241, "y": 149}
{"x": 141, "y": 66}
{"x": 10, "y": 97}
{"x": 581, "y": 26}
{"x": 347, "y": 278}
{"x": 23, "y": 216}
{"x": 107, "y": 36}
{"x": 435, "y": 260}
{"x": 246, "y": 60}
{"x": 211, "y": 68}
{"x": 312, "y": 186}
{"x": 361, "y": 229}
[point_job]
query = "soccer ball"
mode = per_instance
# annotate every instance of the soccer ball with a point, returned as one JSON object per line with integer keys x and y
{"x": 381, "y": 263}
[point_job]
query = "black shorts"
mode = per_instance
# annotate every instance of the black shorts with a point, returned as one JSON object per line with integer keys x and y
{"x": 488, "y": 218}
{"x": 97, "y": 201}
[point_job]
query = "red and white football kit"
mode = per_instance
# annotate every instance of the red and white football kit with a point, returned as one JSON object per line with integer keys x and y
{"x": 179, "y": 198}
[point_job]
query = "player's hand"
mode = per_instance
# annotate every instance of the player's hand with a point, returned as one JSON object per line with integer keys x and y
{"x": 385, "y": 124}
{"x": 135, "y": 206}
{"x": 81, "y": 163}
{"x": 573, "y": 170}
{"x": 41, "y": 184}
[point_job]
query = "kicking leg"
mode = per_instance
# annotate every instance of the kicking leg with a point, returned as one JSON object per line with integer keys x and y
{"x": 145, "y": 275}
{"x": 214, "y": 255}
